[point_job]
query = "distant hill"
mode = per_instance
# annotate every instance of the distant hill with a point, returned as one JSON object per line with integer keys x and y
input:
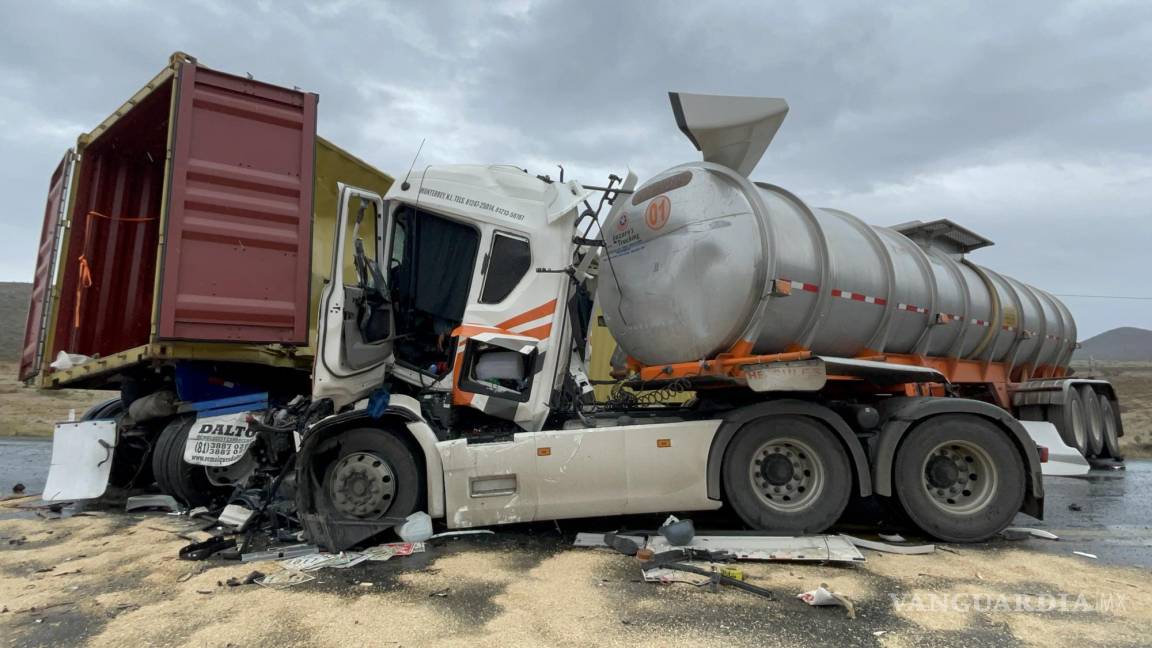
{"x": 1124, "y": 343}
{"x": 14, "y": 297}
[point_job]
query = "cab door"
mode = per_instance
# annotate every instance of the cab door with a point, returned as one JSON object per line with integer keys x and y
{"x": 356, "y": 321}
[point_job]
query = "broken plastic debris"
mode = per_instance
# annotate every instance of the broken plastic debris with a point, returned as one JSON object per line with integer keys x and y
{"x": 891, "y": 537}
{"x": 281, "y": 553}
{"x": 677, "y": 532}
{"x": 824, "y": 596}
{"x": 452, "y": 534}
{"x": 818, "y": 548}
{"x": 416, "y": 528}
{"x": 666, "y": 576}
{"x": 235, "y": 516}
{"x": 1028, "y": 531}
{"x": 143, "y": 502}
{"x": 1085, "y": 554}
{"x": 906, "y": 550}
{"x": 286, "y": 578}
{"x": 65, "y": 360}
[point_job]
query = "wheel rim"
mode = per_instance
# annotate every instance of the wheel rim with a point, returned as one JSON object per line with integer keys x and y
{"x": 959, "y": 477}
{"x": 786, "y": 474}
{"x": 361, "y": 485}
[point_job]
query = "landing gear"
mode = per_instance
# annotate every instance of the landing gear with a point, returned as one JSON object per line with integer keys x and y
{"x": 959, "y": 478}
{"x": 787, "y": 475}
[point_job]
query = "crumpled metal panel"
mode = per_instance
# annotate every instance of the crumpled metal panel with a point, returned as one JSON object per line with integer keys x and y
{"x": 237, "y": 236}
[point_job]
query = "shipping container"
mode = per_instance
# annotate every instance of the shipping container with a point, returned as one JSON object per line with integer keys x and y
{"x": 183, "y": 227}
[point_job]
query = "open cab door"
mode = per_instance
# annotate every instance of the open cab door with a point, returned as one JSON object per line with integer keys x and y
{"x": 356, "y": 324}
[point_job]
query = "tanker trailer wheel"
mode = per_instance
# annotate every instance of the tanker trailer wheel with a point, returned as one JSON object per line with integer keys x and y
{"x": 1111, "y": 421}
{"x": 184, "y": 481}
{"x": 1070, "y": 421}
{"x": 787, "y": 475}
{"x": 959, "y": 478}
{"x": 1093, "y": 421}
{"x": 373, "y": 476}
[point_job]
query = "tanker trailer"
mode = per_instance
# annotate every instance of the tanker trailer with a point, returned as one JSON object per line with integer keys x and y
{"x": 706, "y": 264}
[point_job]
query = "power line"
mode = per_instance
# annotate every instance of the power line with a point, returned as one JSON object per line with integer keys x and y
{"x": 1125, "y": 297}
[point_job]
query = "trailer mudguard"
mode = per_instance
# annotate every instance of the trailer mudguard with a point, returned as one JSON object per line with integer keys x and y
{"x": 738, "y": 418}
{"x": 903, "y": 414}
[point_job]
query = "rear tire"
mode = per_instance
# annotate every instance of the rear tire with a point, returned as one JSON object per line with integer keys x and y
{"x": 1094, "y": 421}
{"x": 959, "y": 478}
{"x": 1069, "y": 421}
{"x": 1111, "y": 420}
{"x": 787, "y": 475}
{"x": 186, "y": 482}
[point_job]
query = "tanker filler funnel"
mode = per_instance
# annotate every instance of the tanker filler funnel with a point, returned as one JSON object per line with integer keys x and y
{"x": 732, "y": 131}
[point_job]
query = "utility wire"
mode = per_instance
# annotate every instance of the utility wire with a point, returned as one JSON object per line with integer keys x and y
{"x": 1125, "y": 297}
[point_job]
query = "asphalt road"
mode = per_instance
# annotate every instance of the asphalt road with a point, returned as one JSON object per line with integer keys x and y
{"x": 1114, "y": 520}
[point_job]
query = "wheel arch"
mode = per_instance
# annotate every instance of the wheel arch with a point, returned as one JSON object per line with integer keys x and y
{"x": 737, "y": 419}
{"x": 403, "y": 423}
{"x": 902, "y": 415}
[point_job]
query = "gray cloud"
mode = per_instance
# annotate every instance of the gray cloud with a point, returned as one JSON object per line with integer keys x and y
{"x": 1027, "y": 122}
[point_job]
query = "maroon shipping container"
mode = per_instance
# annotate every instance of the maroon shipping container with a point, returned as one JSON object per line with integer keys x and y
{"x": 190, "y": 219}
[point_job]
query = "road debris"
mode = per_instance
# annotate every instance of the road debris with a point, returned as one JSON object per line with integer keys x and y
{"x": 1086, "y": 554}
{"x": 1026, "y": 532}
{"x": 677, "y": 532}
{"x": 818, "y": 548}
{"x": 281, "y": 553}
{"x": 416, "y": 528}
{"x": 885, "y": 547}
{"x": 151, "y": 502}
{"x": 822, "y": 596}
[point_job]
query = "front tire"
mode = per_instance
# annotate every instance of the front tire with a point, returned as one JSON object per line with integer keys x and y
{"x": 373, "y": 476}
{"x": 959, "y": 478}
{"x": 787, "y": 475}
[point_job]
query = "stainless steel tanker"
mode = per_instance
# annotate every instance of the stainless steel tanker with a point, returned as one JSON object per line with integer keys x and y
{"x": 700, "y": 258}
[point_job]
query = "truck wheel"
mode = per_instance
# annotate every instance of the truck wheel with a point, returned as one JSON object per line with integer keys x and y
{"x": 1093, "y": 421}
{"x": 374, "y": 476}
{"x": 959, "y": 478}
{"x": 787, "y": 475}
{"x": 109, "y": 409}
{"x": 1111, "y": 422}
{"x": 178, "y": 478}
{"x": 1069, "y": 421}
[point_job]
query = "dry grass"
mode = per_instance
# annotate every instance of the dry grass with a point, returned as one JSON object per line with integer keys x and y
{"x": 28, "y": 411}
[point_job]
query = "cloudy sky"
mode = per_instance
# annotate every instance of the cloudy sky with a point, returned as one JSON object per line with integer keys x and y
{"x": 1028, "y": 122}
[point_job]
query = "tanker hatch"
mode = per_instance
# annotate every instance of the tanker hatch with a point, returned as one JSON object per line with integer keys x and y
{"x": 730, "y": 131}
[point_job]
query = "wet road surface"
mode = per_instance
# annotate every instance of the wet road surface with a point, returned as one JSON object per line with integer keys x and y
{"x": 1114, "y": 520}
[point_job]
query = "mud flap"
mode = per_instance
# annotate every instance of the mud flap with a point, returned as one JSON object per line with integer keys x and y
{"x": 81, "y": 460}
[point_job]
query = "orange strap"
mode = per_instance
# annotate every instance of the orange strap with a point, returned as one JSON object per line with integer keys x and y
{"x": 85, "y": 268}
